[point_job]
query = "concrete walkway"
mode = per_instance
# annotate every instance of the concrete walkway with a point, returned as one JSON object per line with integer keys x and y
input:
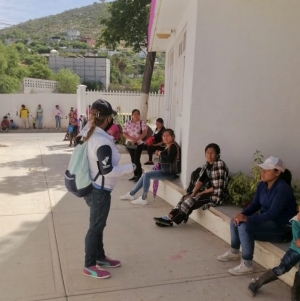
{"x": 42, "y": 231}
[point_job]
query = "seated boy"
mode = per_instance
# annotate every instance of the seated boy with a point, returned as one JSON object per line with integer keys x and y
{"x": 5, "y": 124}
{"x": 13, "y": 125}
{"x": 291, "y": 257}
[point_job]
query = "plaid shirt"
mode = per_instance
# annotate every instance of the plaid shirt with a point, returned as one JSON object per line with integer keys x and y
{"x": 219, "y": 177}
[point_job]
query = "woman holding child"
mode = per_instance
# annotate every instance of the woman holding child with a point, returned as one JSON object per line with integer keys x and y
{"x": 169, "y": 156}
{"x": 274, "y": 200}
{"x": 210, "y": 188}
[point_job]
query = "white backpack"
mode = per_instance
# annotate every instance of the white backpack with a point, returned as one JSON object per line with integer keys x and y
{"x": 77, "y": 177}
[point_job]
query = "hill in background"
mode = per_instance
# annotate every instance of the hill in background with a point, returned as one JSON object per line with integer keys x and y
{"x": 84, "y": 19}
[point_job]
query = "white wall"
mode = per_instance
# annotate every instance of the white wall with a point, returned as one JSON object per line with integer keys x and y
{"x": 183, "y": 125}
{"x": 11, "y": 103}
{"x": 246, "y": 84}
{"x": 241, "y": 83}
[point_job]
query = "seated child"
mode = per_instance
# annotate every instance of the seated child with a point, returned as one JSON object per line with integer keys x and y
{"x": 5, "y": 124}
{"x": 13, "y": 125}
{"x": 291, "y": 257}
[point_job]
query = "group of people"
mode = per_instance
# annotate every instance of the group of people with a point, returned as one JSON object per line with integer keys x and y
{"x": 265, "y": 219}
{"x": 7, "y": 124}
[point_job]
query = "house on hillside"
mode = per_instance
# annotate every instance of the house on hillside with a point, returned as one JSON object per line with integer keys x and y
{"x": 72, "y": 34}
{"x": 88, "y": 40}
{"x": 232, "y": 77}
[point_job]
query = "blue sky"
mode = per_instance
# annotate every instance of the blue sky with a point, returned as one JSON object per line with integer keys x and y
{"x": 17, "y": 11}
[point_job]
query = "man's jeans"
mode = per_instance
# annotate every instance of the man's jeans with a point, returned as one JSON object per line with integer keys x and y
{"x": 40, "y": 121}
{"x": 246, "y": 233}
{"x": 289, "y": 259}
{"x": 99, "y": 203}
{"x": 144, "y": 181}
{"x": 57, "y": 121}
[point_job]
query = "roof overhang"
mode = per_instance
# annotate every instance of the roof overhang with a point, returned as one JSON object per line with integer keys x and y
{"x": 165, "y": 16}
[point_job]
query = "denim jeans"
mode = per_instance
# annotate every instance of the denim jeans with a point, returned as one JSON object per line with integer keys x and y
{"x": 144, "y": 181}
{"x": 99, "y": 203}
{"x": 246, "y": 233}
{"x": 57, "y": 121}
{"x": 289, "y": 259}
{"x": 40, "y": 121}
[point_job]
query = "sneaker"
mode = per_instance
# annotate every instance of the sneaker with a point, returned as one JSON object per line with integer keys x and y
{"x": 131, "y": 179}
{"x": 127, "y": 196}
{"x": 96, "y": 272}
{"x": 162, "y": 225}
{"x": 229, "y": 256}
{"x": 139, "y": 201}
{"x": 241, "y": 269}
{"x": 163, "y": 222}
{"x": 149, "y": 163}
{"x": 109, "y": 263}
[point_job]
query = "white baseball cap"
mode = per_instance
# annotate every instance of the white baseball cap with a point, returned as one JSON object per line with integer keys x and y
{"x": 272, "y": 163}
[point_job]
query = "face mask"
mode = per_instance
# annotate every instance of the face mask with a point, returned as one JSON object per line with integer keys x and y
{"x": 110, "y": 123}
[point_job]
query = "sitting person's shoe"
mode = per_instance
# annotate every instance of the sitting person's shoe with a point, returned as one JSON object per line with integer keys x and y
{"x": 229, "y": 256}
{"x": 162, "y": 221}
{"x": 136, "y": 179}
{"x": 162, "y": 225}
{"x": 109, "y": 263}
{"x": 149, "y": 163}
{"x": 127, "y": 196}
{"x": 96, "y": 272}
{"x": 241, "y": 269}
{"x": 132, "y": 179}
{"x": 139, "y": 201}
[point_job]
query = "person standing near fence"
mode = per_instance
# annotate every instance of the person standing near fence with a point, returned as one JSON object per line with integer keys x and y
{"x": 24, "y": 114}
{"x": 39, "y": 117}
{"x": 134, "y": 131}
{"x": 57, "y": 114}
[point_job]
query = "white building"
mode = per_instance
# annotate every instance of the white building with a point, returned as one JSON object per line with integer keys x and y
{"x": 72, "y": 34}
{"x": 232, "y": 77}
{"x": 93, "y": 69}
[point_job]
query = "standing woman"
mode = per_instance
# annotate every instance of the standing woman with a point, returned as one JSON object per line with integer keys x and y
{"x": 134, "y": 131}
{"x": 104, "y": 158}
{"x": 39, "y": 117}
{"x": 74, "y": 123}
{"x": 156, "y": 140}
{"x": 171, "y": 154}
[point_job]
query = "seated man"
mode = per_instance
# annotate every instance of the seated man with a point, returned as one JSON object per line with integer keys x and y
{"x": 210, "y": 189}
{"x": 5, "y": 124}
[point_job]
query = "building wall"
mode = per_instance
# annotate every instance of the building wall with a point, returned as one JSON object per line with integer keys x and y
{"x": 176, "y": 118}
{"x": 246, "y": 82}
{"x": 88, "y": 69}
{"x": 241, "y": 82}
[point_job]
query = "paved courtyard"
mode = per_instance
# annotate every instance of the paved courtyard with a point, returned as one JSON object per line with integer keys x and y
{"x": 42, "y": 229}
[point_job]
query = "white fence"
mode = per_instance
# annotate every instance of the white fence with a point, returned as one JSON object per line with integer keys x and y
{"x": 127, "y": 101}
{"x": 11, "y": 103}
{"x": 33, "y": 85}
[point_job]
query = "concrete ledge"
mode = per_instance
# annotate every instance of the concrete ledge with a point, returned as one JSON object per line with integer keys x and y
{"x": 217, "y": 221}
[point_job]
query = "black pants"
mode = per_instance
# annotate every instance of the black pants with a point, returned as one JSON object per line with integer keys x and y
{"x": 135, "y": 155}
{"x": 99, "y": 203}
{"x": 151, "y": 150}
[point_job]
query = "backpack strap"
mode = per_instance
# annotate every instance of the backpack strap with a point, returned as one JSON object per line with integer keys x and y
{"x": 97, "y": 176}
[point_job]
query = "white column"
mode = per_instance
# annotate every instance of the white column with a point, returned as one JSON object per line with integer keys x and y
{"x": 81, "y": 100}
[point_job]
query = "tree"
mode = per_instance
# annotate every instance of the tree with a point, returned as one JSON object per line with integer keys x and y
{"x": 67, "y": 81}
{"x": 128, "y": 22}
{"x": 38, "y": 70}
